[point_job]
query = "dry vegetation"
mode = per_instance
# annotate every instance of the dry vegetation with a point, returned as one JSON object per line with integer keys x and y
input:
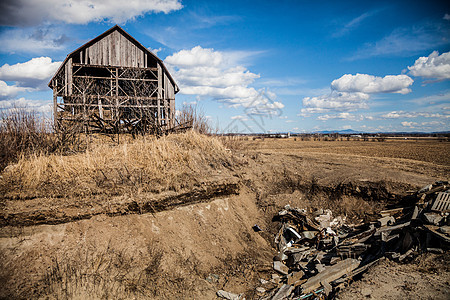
{"x": 146, "y": 164}
{"x": 170, "y": 253}
{"x": 23, "y": 132}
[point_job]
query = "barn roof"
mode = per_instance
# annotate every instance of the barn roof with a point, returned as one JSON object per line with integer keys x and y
{"x": 126, "y": 34}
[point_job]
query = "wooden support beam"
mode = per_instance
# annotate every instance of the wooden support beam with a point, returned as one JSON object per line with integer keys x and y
{"x": 107, "y": 105}
{"x": 159, "y": 95}
{"x": 55, "y": 108}
{"x": 119, "y": 78}
{"x": 121, "y": 67}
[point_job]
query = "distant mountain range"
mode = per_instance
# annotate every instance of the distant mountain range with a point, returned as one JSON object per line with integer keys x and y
{"x": 346, "y": 131}
{"x": 351, "y": 131}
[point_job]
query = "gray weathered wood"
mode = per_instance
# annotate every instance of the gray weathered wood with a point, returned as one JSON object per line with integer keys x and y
{"x": 330, "y": 274}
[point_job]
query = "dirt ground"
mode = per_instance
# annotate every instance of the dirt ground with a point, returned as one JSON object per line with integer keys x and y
{"x": 426, "y": 277}
{"x": 199, "y": 241}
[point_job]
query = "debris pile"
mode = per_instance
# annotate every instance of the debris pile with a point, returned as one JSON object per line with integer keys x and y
{"x": 319, "y": 255}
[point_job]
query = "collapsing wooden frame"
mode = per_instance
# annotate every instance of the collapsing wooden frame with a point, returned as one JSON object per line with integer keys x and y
{"x": 113, "y": 84}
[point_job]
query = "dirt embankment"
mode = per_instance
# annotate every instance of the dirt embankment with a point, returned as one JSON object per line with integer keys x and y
{"x": 186, "y": 242}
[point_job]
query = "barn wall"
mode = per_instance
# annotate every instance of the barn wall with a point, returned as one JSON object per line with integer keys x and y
{"x": 115, "y": 50}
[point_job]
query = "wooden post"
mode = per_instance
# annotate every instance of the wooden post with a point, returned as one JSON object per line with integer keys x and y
{"x": 158, "y": 101}
{"x": 55, "y": 107}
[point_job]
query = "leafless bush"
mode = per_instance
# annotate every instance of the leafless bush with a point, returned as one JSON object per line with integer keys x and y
{"x": 194, "y": 115}
{"x": 24, "y": 132}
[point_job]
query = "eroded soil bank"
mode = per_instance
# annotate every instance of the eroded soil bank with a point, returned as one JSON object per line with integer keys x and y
{"x": 204, "y": 241}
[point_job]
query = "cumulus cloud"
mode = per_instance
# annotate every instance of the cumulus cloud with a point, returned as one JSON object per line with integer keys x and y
{"x": 217, "y": 75}
{"x": 433, "y": 66}
{"x": 31, "y": 12}
{"x": 352, "y": 92}
{"x": 335, "y": 101}
{"x": 370, "y": 84}
{"x": 409, "y": 124}
{"x": 34, "y": 73}
{"x": 8, "y": 91}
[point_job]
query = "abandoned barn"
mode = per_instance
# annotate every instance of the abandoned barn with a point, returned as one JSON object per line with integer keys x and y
{"x": 113, "y": 84}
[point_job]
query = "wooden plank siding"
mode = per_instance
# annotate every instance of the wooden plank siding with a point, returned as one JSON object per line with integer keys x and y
{"x": 114, "y": 50}
{"x": 114, "y": 53}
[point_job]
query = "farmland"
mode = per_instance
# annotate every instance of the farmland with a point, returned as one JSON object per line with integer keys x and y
{"x": 93, "y": 227}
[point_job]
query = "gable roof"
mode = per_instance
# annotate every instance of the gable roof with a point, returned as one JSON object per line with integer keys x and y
{"x": 127, "y": 35}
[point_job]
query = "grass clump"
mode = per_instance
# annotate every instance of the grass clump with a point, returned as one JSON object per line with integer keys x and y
{"x": 146, "y": 164}
{"x": 23, "y": 132}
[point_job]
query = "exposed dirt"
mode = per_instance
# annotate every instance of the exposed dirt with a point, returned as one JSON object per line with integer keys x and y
{"x": 426, "y": 277}
{"x": 190, "y": 243}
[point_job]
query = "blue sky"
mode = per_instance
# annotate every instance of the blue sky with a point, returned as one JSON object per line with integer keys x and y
{"x": 256, "y": 66}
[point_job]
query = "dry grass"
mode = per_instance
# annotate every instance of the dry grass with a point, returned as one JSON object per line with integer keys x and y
{"x": 146, "y": 164}
{"x": 24, "y": 132}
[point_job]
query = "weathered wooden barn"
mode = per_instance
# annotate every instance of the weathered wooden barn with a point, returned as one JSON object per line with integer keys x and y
{"x": 114, "y": 84}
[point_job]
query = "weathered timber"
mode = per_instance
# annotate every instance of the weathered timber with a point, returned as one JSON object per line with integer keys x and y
{"x": 113, "y": 79}
{"x": 330, "y": 274}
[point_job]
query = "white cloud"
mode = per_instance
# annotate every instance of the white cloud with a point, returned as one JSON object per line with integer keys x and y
{"x": 335, "y": 101}
{"x": 214, "y": 74}
{"x": 409, "y": 124}
{"x": 341, "y": 116}
{"x": 155, "y": 51}
{"x": 239, "y": 117}
{"x": 41, "y": 106}
{"x": 31, "y": 12}
{"x": 34, "y": 73}
{"x": 446, "y": 17}
{"x": 8, "y": 91}
{"x": 404, "y": 114}
{"x": 434, "y": 66}
{"x": 432, "y": 123}
{"x": 432, "y": 99}
{"x": 32, "y": 40}
{"x": 370, "y": 84}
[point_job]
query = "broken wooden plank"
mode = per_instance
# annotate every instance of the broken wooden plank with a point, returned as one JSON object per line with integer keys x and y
{"x": 391, "y": 212}
{"x": 330, "y": 274}
{"x": 386, "y": 221}
{"x": 434, "y": 230}
{"x": 294, "y": 276}
{"x": 390, "y": 228}
{"x": 280, "y": 267}
{"x": 284, "y": 291}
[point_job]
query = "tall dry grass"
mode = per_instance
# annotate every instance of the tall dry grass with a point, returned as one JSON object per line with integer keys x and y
{"x": 146, "y": 164}
{"x": 194, "y": 115}
{"x": 24, "y": 132}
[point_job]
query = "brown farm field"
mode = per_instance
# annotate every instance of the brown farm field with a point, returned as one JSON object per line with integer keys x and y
{"x": 432, "y": 151}
{"x": 172, "y": 218}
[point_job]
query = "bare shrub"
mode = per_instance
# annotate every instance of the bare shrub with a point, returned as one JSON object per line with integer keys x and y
{"x": 24, "y": 132}
{"x": 234, "y": 142}
{"x": 110, "y": 273}
{"x": 192, "y": 114}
